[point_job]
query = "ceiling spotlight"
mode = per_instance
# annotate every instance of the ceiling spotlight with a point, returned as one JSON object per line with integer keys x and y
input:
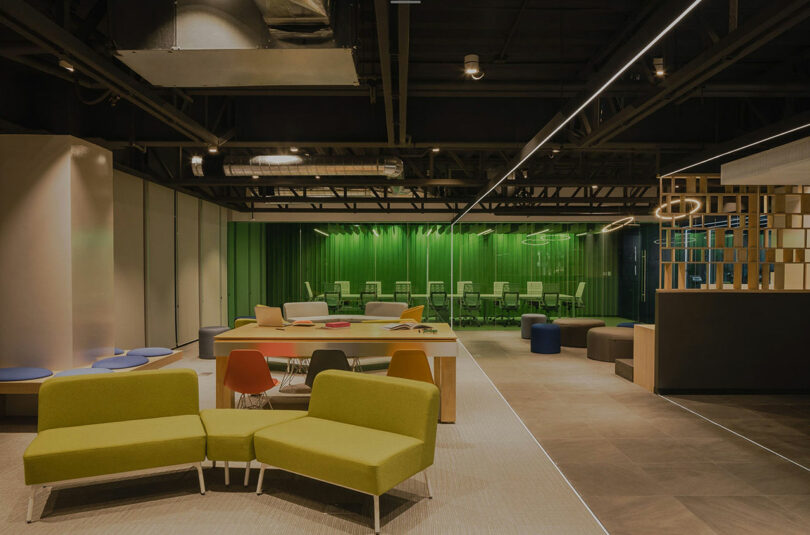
{"x": 213, "y": 149}
{"x": 435, "y": 149}
{"x": 472, "y": 67}
{"x": 68, "y": 66}
{"x": 317, "y": 177}
{"x": 594, "y": 186}
{"x": 276, "y": 159}
{"x": 555, "y": 150}
{"x": 293, "y": 149}
{"x": 196, "y": 160}
{"x": 255, "y": 177}
{"x": 658, "y": 64}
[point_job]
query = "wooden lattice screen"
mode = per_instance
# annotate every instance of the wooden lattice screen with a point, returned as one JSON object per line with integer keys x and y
{"x": 716, "y": 237}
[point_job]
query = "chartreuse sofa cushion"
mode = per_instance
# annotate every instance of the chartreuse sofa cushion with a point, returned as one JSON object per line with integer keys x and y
{"x": 230, "y": 431}
{"x": 364, "y": 432}
{"x": 91, "y": 425}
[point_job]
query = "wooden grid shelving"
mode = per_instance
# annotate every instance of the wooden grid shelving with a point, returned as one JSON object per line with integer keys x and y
{"x": 716, "y": 237}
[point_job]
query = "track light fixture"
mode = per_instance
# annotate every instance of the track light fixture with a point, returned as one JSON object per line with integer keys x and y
{"x": 472, "y": 67}
{"x": 213, "y": 149}
{"x": 658, "y": 64}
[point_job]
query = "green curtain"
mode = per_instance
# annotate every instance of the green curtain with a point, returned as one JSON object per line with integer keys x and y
{"x": 247, "y": 268}
{"x": 292, "y": 254}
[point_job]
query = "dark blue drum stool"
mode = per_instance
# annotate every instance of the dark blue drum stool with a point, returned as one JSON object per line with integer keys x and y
{"x": 545, "y": 338}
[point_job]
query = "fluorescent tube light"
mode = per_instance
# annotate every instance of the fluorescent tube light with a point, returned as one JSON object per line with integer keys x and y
{"x": 590, "y": 99}
{"x": 538, "y": 232}
{"x": 732, "y": 151}
{"x": 319, "y": 231}
{"x": 487, "y": 231}
{"x": 276, "y": 159}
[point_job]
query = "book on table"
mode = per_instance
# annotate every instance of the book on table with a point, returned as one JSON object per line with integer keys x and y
{"x": 406, "y": 326}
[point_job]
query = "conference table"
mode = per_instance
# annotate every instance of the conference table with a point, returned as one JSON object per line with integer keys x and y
{"x": 356, "y": 341}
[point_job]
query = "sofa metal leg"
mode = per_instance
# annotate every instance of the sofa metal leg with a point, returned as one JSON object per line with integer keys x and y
{"x": 261, "y": 480}
{"x": 376, "y": 514}
{"x": 30, "y": 514}
{"x": 200, "y": 476}
{"x": 227, "y": 474}
{"x": 247, "y": 473}
{"x": 427, "y": 483}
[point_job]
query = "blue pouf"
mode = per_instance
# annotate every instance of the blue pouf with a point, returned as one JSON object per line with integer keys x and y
{"x": 627, "y": 324}
{"x": 118, "y": 351}
{"x": 149, "y": 352}
{"x": 545, "y": 338}
{"x": 82, "y": 371}
{"x": 23, "y": 373}
{"x": 116, "y": 363}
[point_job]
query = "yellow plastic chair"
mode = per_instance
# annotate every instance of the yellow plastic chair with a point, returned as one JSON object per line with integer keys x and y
{"x": 410, "y": 364}
{"x": 413, "y": 313}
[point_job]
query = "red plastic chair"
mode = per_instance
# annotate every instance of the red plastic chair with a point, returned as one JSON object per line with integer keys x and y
{"x": 248, "y": 374}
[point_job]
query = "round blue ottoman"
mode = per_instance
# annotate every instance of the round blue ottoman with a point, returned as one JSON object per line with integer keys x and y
{"x": 116, "y": 363}
{"x": 23, "y": 373}
{"x": 118, "y": 351}
{"x": 545, "y": 338}
{"x": 82, "y": 371}
{"x": 149, "y": 352}
{"x": 627, "y": 324}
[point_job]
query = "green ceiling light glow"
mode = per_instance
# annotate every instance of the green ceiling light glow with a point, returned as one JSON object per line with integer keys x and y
{"x": 538, "y": 232}
{"x": 319, "y": 231}
{"x": 487, "y": 231}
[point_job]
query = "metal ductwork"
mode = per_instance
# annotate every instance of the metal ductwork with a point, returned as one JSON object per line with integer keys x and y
{"x": 238, "y": 43}
{"x": 389, "y": 167}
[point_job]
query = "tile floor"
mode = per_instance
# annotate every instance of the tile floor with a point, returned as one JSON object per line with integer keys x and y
{"x": 645, "y": 465}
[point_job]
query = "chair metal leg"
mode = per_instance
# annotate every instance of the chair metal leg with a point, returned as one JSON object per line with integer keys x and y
{"x": 376, "y": 514}
{"x": 247, "y": 473}
{"x": 261, "y": 480}
{"x": 427, "y": 484}
{"x": 200, "y": 476}
{"x": 30, "y": 514}
{"x": 227, "y": 474}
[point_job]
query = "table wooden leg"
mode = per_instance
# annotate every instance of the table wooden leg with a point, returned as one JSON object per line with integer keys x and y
{"x": 444, "y": 370}
{"x": 224, "y": 394}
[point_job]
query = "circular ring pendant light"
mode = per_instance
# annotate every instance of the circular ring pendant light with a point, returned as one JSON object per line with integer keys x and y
{"x": 619, "y": 223}
{"x": 694, "y": 203}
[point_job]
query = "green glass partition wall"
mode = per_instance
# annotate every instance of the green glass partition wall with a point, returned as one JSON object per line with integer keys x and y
{"x": 288, "y": 255}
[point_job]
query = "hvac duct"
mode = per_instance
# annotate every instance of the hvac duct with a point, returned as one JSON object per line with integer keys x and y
{"x": 261, "y": 165}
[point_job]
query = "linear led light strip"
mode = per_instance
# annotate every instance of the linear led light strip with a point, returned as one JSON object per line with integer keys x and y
{"x": 763, "y": 140}
{"x": 612, "y": 79}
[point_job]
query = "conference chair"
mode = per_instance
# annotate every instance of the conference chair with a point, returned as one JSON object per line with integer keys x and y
{"x": 534, "y": 293}
{"x": 247, "y": 374}
{"x": 333, "y": 299}
{"x": 413, "y": 313}
{"x": 368, "y": 294}
{"x": 509, "y": 305}
{"x": 402, "y": 292}
{"x": 578, "y": 303}
{"x": 308, "y": 289}
{"x": 410, "y": 364}
{"x": 437, "y": 298}
{"x": 470, "y": 303}
{"x": 551, "y": 303}
{"x": 322, "y": 359}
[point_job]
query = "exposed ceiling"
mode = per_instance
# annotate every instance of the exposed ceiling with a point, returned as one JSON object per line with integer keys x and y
{"x": 731, "y": 69}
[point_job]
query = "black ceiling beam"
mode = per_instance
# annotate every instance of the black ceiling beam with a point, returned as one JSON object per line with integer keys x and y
{"x": 404, "y": 39}
{"x": 358, "y": 182}
{"x": 383, "y": 40}
{"x": 652, "y": 26}
{"x": 52, "y": 38}
{"x": 773, "y": 20}
{"x": 285, "y": 199}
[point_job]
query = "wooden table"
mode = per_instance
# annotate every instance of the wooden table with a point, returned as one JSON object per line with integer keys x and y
{"x": 359, "y": 340}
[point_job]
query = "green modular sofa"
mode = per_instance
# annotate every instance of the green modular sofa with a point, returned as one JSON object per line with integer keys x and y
{"x": 94, "y": 425}
{"x": 363, "y": 432}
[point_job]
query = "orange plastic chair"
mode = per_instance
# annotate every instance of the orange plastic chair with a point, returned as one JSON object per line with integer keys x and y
{"x": 248, "y": 374}
{"x": 413, "y": 313}
{"x": 410, "y": 364}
